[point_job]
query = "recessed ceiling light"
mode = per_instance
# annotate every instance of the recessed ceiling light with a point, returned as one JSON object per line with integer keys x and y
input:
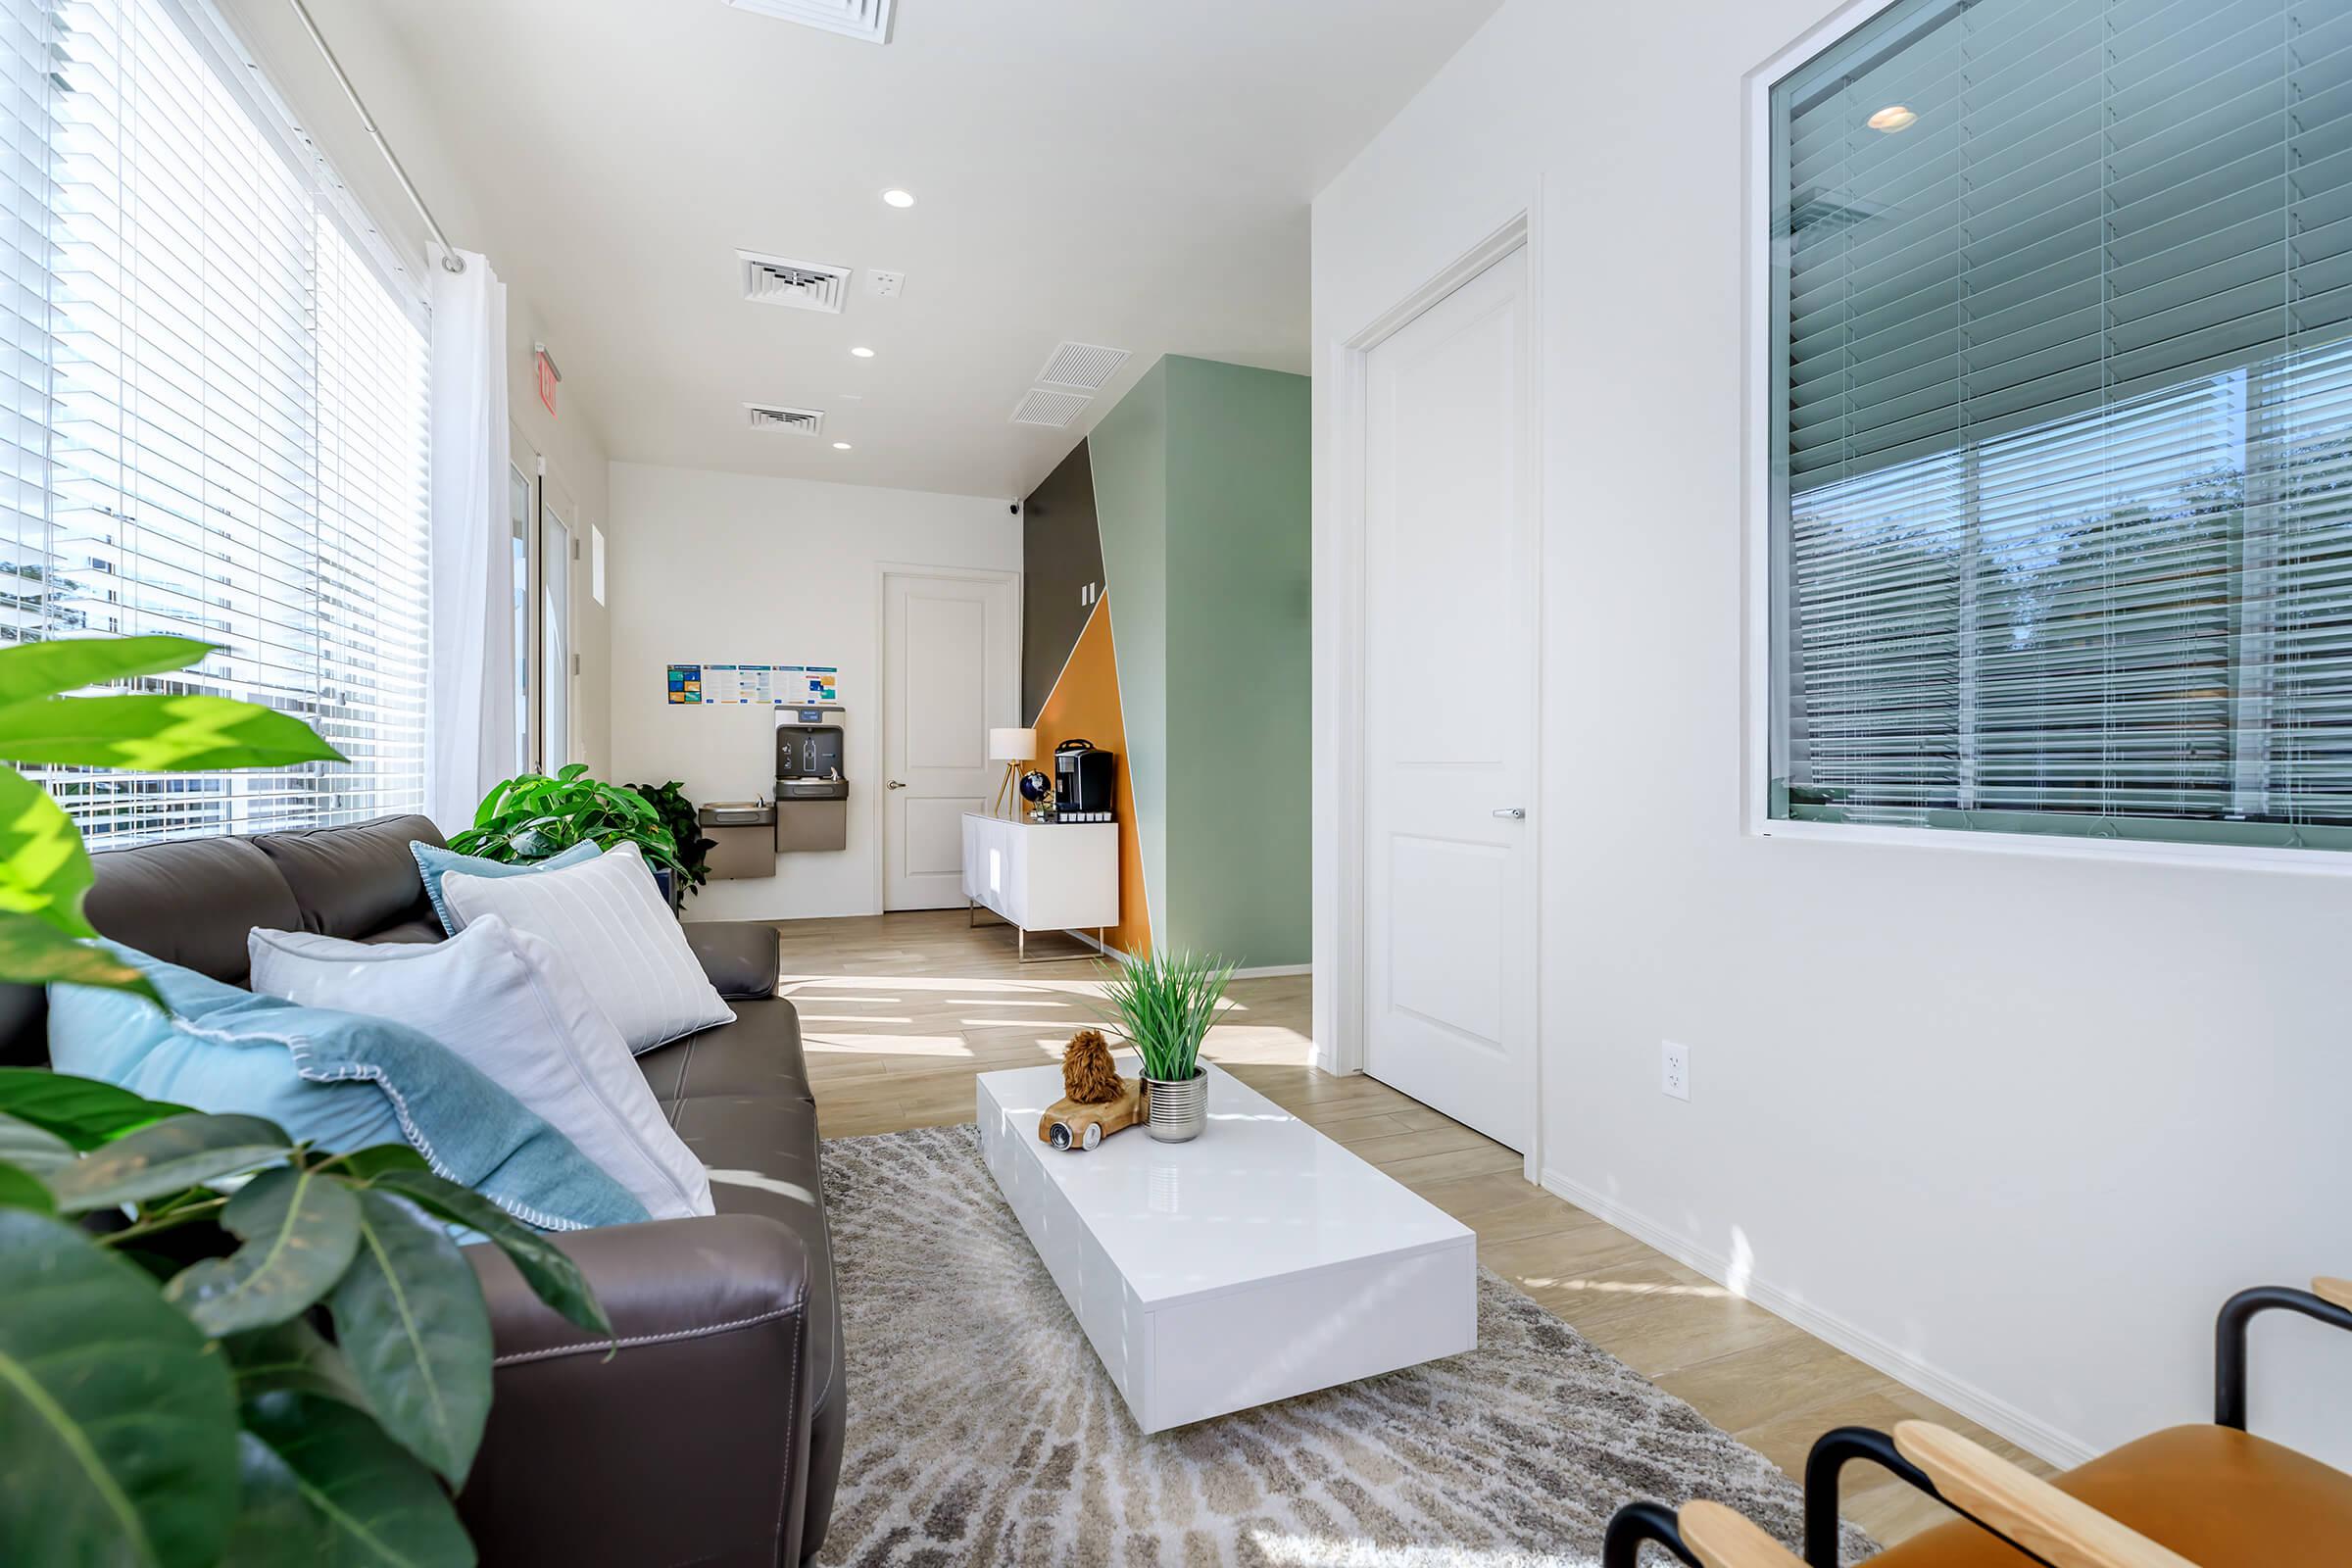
{"x": 898, "y": 198}
{"x": 862, "y": 352}
{"x": 1892, "y": 118}
{"x": 841, "y": 446}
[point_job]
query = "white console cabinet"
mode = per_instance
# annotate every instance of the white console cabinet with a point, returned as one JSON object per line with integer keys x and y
{"x": 1041, "y": 876}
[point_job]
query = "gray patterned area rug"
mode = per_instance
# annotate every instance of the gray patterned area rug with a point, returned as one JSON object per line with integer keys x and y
{"x": 982, "y": 1429}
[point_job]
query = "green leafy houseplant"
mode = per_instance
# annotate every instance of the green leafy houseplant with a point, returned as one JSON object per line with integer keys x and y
{"x": 168, "y": 1393}
{"x": 685, "y": 830}
{"x": 44, "y": 868}
{"x": 534, "y": 816}
{"x": 1164, "y": 1004}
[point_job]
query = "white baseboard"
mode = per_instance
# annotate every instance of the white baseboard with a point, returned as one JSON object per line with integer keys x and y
{"x": 2028, "y": 1432}
{"x": 1263, "y": 972}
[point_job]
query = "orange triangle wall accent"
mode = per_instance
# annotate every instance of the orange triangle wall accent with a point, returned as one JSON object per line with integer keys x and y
{"x": 1084, "y": 705}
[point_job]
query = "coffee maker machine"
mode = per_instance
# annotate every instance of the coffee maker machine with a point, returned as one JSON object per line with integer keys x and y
{"x": 1082, "y": 782}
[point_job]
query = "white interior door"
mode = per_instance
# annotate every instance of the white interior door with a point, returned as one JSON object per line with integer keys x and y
{"x": 554, "y": 624}
{"x": 522, "y": 514}
{"x": 951, "y": 652}
{"x": 1450, "y": 699}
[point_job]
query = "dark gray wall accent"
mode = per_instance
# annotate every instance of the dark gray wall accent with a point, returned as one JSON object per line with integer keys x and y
{"x": 1062, "y": 553}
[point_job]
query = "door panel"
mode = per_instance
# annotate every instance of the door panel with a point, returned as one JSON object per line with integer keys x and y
{"x": 951, "y": 672}
{"x": 1449, "y": 729}
{"x": 556, "y": 518}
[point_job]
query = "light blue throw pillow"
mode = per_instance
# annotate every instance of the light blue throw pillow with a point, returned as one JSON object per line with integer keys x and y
{"x": 433, "y": 863}
{"x": 339, "y": 1080}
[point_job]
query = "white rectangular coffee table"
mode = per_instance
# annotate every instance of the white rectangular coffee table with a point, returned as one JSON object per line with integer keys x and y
{"x": 1258, "y": 1261}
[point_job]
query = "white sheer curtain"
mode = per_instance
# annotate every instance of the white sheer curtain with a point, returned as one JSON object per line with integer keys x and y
{"x": 474, "y": 609}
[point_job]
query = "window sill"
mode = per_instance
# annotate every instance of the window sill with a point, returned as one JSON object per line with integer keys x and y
{"x": 2128, "y": 852}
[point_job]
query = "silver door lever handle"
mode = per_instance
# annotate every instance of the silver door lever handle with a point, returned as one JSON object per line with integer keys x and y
{"x": 1517, "y": 813}
{"x": 896, "y": 785}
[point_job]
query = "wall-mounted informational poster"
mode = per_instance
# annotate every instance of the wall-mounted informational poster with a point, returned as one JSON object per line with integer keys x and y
{"x": 715, "y": 685}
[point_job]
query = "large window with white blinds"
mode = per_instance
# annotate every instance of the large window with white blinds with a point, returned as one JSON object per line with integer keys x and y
{"x": 218, "y": 413}
{"x": 2060, "y": 428}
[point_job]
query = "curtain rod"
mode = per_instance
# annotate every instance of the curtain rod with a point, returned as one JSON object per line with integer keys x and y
{"x": 449, "y": 255}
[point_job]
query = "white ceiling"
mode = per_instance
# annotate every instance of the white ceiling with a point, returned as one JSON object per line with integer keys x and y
{"x": 1110, "y": 171}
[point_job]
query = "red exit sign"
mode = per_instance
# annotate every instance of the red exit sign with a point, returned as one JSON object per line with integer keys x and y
{"x": 548, "y": 377}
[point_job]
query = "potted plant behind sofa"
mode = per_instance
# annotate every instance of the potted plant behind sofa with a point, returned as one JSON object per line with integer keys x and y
{"x": 167, "y": 1393}
{"x": 532, "y": 816}
{"x": 1164, "y": 1005}
{"x": 685, "y": 830}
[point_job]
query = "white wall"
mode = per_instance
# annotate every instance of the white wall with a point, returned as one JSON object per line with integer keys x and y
{"x": 2011, "y": 1126}
{"x": 737, "y": 567}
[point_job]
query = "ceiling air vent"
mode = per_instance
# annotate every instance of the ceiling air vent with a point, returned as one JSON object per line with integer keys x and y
{"x": 789, "y": 421}
{"x": 803, "y": 285}
{"x": 1082, "y": 364}
{"x": 1055, "y": 409}
{"x": 857, "y": 18}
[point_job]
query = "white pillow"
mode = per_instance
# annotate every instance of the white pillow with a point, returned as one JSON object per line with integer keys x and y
{"x": 607, "y": 917}
{"x": 509, "y": 1003}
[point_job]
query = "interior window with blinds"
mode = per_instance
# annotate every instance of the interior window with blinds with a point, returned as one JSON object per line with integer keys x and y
{"x": 2061, "y": 423}
{"x": 217, "y": 422}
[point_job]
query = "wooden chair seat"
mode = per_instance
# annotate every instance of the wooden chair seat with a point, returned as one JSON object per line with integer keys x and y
{"x": 2220, "y": 1497}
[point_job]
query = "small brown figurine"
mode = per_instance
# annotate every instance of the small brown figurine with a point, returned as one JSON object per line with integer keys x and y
{"x": 1099, "y": 1101}
{"x": 1089, "y": 1077}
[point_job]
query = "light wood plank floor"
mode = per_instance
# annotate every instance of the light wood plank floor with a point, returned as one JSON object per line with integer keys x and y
{"x": 899, "y": 1011}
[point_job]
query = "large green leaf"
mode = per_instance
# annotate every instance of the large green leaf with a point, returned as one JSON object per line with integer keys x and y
{"x": 276, "y": 1523}
{"x": 118, "y": 1421}
{"x": 552, "y": 1276}
{"x": 291, "y": 1357}
{"x": 22, "y": 1189}
{"x": 409, "y": 1318}
{"x": 158, "y": 734}
{"x": 366, "y": 1165}
{"x": 30, "y": 1147}
{"x": 376, "y": 1506}
{"x": 46, "y": 669}
{"x": 44, "y": 870}
{"x": 84, "y": 1111}
{"x": 181, "y": 1153}
{"x": 35, "y": 952}
{"x": 300, "y": 1231}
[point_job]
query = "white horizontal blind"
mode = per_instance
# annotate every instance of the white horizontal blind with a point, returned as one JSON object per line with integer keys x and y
{"x": 237, "y": 429}
{"x": 2063, "y": 420}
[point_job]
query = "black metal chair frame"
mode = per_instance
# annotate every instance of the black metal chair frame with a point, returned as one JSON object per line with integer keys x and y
{"x": 1640, "y": 1524}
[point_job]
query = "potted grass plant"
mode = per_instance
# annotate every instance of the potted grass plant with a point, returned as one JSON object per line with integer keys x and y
{"x": 1163, "y": 1004}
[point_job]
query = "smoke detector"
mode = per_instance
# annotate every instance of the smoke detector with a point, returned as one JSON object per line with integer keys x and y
{"x": 1086, "y": 366}
{"x": 1054, "y": 409}
{"x": 868, "y": 20}
{"x": 784, "y": 421}
{"x": 802, "y": 285}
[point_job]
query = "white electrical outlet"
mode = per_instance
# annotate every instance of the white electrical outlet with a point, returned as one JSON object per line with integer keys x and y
{"x": 1674, "y": 1069}
{"x": 884, "y": 285}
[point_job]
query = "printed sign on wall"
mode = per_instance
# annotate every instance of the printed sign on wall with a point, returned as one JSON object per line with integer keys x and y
{"x": 754, "y": 685}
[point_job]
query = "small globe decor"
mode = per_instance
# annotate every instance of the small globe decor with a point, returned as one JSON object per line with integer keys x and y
{"x": 1036, "y": 787}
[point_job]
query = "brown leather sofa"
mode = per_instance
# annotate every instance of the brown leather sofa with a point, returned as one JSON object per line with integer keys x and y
{"x": 714, "y": 1436}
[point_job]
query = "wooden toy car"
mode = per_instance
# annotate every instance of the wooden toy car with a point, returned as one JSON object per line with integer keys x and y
{"x": 1068, "y": 1125}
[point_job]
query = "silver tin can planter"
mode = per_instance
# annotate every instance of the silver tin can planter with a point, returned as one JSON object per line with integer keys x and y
{"x": 1178, "y": 1110}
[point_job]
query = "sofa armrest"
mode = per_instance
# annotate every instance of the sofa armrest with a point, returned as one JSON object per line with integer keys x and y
{"x": 740, "y": 956}
{"x": 685, "y": 1439}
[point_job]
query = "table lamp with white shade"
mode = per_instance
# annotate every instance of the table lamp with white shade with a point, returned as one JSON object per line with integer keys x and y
{"x": 1012, "y": 748}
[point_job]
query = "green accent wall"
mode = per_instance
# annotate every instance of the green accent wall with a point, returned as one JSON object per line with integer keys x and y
{"x": 1129, "y": 451}
{"x": 1203, "y": 494}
